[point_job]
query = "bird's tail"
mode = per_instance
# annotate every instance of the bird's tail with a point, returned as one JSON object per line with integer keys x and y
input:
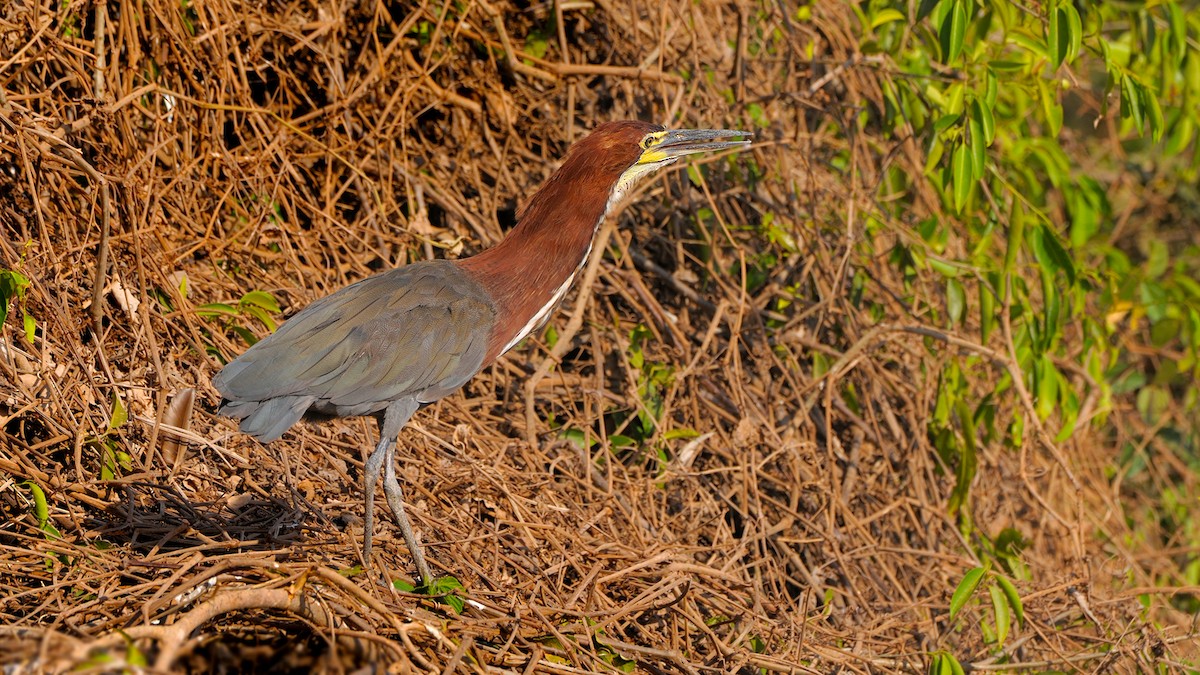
{"x": 267, "y": 420}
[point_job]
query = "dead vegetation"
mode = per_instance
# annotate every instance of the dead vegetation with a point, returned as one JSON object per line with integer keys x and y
{"x": 159, "y": 157}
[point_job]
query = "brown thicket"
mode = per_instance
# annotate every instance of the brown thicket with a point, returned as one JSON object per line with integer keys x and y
{"x": 159, "y": 156}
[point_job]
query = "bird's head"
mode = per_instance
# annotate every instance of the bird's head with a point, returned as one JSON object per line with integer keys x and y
{"x": 617, "y": 156}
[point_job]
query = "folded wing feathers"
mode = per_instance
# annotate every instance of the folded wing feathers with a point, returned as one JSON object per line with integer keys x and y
{"x": 353, "y": 351}
{"x": 267, "y": 420}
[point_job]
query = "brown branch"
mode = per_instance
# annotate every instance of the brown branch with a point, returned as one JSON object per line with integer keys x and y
{"x": 173, "y": 638}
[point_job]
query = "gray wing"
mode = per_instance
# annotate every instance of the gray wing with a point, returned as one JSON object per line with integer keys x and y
{"x": 416, "y": 332}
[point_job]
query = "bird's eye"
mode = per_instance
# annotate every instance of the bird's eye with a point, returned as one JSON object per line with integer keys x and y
{"x": 645, "y": 143}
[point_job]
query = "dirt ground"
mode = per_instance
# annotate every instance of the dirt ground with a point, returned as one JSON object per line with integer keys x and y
{"x": 671, "y": 478}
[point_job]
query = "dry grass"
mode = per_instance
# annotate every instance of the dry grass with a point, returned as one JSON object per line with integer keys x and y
{"x": 295, "y": 147}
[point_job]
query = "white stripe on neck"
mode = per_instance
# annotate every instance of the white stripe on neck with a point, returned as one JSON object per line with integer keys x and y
{"x": 543, "y": 313}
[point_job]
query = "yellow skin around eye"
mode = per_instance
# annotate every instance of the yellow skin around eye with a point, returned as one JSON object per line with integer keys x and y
{"x": 650, "y": 155}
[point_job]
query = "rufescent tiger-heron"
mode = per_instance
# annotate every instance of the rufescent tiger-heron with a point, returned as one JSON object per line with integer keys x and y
{"x": 399, "y": 339}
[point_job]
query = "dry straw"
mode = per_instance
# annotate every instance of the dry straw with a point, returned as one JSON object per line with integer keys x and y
{"x": 158, "y": 156}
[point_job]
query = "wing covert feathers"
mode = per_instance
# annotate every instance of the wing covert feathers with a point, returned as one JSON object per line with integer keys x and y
{"x": 418, "y": 331}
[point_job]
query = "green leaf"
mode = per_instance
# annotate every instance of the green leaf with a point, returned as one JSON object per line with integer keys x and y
{"x": 12, "y": 287}
{"x": 960, "y": 170}
{"x": 1047, "y": 387}
{"x": 953, "y": 30}
{"x": 1001, "y": 610}
{"x": 820, "y": 365}
{"x": 1051, "y": 255}
{"x": 925, "y": 8}
{"x": 1050, "y": 330}
{"x": 1178, "y": 32}
{"x": 1016, "y": 430}
{"x": 260, "y": 299}
{"x": 1158, "y": 258}
{"x": 242, "y": 332}
{"x": 966, "y": 588}
{"x": 536, "y": 44}
{"x": 887, "y": 15}
{"x": 1005, "y": 66}
{"x": 758, "y": 115}
{"x": 578, "y": 438}
{"x": 134, "y": 656}
{"x": 30, "y": 328}
{"x": 454, "y": 602}
{"x": 982, "y": 113}
{"x": 118, "y": 415}
{"x": 216, "y": 309}
{"x": 13, "y": 284}
{"x": 685, "y": 433}
{"x": 944, "y": 663}
{"x": 947, "y": 390}
{"x": 1181, "y": 135}
{"x": 446, "y": 584}
{"x": 41, "y": 511}
{"x": 1016, "y": 238}
{"x": 968, "y": 461}
{"x": 445, "y": 589}
{"x": 945, "y": 122}
{"x": 1150, "y": 103}
{"x": 1074, "y": 30}
{"x": 978, "y": 146}
{"x": 934, "y": 159}
{"x": 1152, "y": 403}
{"x": 1013, "y": 598}
{"x": 621, "y": 441}
{"x": 943, "y": 268}
{"x": 41, "y": 508}
{"x": 1051, "y": 108}
{"x": 1055, "y": 47}
{"x": 1068, "y": 412}
{"x": 956, "y": 301}
{"x": 1191, "y": 71}
{"x": 260, "y": 314}
{"x": 1131, "y": 102}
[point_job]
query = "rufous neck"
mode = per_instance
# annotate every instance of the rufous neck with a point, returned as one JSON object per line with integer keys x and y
{"x": 529, "y": 272}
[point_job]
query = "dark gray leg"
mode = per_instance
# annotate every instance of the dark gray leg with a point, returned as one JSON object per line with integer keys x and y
{"x": 384, "y": 456}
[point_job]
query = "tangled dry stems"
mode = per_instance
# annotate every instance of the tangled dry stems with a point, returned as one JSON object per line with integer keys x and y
{"x": 296, "y": 147}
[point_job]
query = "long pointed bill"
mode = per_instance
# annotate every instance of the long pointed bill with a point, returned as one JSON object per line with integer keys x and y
{"x": 668, "y": 146}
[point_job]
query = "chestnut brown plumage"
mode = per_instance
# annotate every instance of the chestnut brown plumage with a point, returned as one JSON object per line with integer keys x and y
{"x": 388, "y": 344}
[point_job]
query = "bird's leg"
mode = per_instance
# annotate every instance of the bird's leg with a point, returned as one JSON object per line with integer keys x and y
{"x": 374, "y": 464}
{"x": 395, "y": 499}
{"x": 393, "y": 419}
